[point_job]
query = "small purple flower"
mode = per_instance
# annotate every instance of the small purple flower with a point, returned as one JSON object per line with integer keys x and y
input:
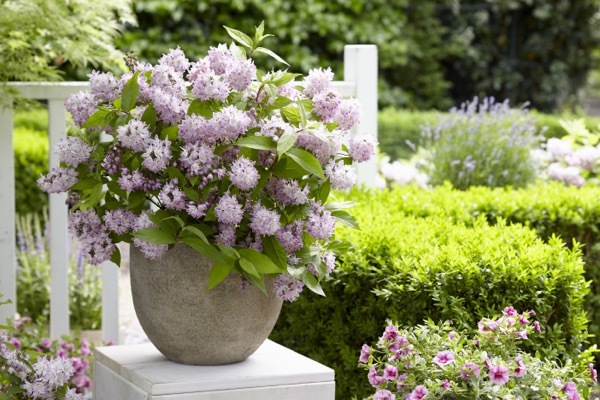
{"x": 244, "y": 174}
{"x": 382, "y": 394}
{"x": 362, "y": 147}
{"x": 521, "y": 368}
{"x": 536, "y": 327}
{"x": 521, "y": 334}
{"x": 341, "y": 176}
{"x": 446, "y": 384}
{"x": 103, "y": 86}
{"x": 15, "y": 342}
{"x": 469, "y": 370}
{"x": 320, "y": 223}
{"x": 287, "y": 288}
{"x": 134, "y": 135}
{"x": 390, "y": 373}
{"x": 45, "y": 343}
{"x": 348, "y": 114}
{"x": 264, "y": 222}
{"x": 228, "y": 210}
{"x": 175, "y": 59}
{"x": 419, "y": 393}
{"x": 81, "y": 105}
{"x": 172, "y": 197}
{"x": 593, "y": 372}
{"x": 374, "y": 378}
{"x": 73, "y": 150}
{"x": 365, "y": 352}
{"x": 571, "y": 390}
{"x": 317, "y": 81}
{"x": 523, "y": 319}
{"x": 58, "y": 180}
{"x": 157, "y": 155}
{"x": 498, "y": 374}
{"x": 510, "y": 311}
{"x": 443, "y": 358}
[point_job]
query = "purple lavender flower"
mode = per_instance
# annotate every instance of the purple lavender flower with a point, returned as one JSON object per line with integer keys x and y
{"x": 103, "y": 86}
{"x": 73, "y": 150}
{"x": 275, "y": 127}
{"x": 226, "y": 235}
{"x": 317, "y": 81}
{"x": 131, "y": 181}
{"x": 287, "y": 288}
{"x": 151, "y": 251}
{"x": 362, "y": 147}
{"x": 168, "y": 81}
{"x": 326, "y": 104}
{"x": 176, "y": 60}
{"x": 340, "y": 175}
{"x": 320, "y": 223}
{"x": 169, "y": 108}
{"x": 240, "y": 73}
{"x": 195, "y": 129}
{"x": 287, "y": 191}
{"x": 81, "y": 105}
{"x": 228, "y": 211}
{"x": 323, "y": 150}
{"x": 172, "y": 197}
{"x": 58, "y": 180}
{"x": 290, "y": 236}
{"x": 263, "y": 221}
{"x": 220, "y": 58}
{"x": 206, "y": 84}
{"x": 348, "y": 114}
{"x": 135, "y": 135}
{"x": 196, "y": 210}
{"x": 244, "y": 174}
{"x": 229, "y": 123}
{"x": 120, "y": 220}
{"x": 157, "y": 155}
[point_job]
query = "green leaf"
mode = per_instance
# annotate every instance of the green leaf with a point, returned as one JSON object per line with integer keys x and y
{"x": 217, "y": 274}
{"x": 258, "y": 282}
{"x": 167, "y": 221}
{"x": 270, "y": 53}
{"x": 202, "y": 108}
{"x": 171, "y": 132}
{"x": 247, "y": 266}
{"x": 196, "y": 232}
{"x": 85, "y": 184}
{"x": 312, "y": 283}
{"x": 306, "y": 161}
{"x": 339, "y": 205}
{"x": 149, "y": 116}
{"x": 345, "y": 218}
{"x": 263, "y": 264}
{"x": 286, "y": 142}
{"x": 229, "y": 251}
{"x": 286, "y": 77}
{"x": 136, "y": 199}
{"x": 239, "y": 37}
{"x": 96, "y": 194}
{"x": 322, "y": 193}
{"x": 191, "y": 194}
{"x": 115, "y": 257}
{"x": 96, "y": 119}
{"x": 130, "y": 93}
{"x": 176, "y": 173}
{"x": 207, "y": 249}
{"x": 275, "y": 251}
{"x": 257, "y": 142}
{"x": 155, "y": 235}
{"x": 288, "y": 168}
{"x": 281, "y": 102}
{"x": 260, "y": 30}
{"x": 114, "y": 187}
{"x": 292, "y": 114}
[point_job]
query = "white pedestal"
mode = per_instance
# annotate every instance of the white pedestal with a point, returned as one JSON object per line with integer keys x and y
{"x": 140, "y": 372}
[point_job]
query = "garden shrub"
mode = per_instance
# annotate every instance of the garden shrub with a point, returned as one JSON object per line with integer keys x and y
{"x": 551, "y": 209}
{"x": 31, "y": 159}
{"x": 408, "y": 268}
{"x": 480, "y": 143}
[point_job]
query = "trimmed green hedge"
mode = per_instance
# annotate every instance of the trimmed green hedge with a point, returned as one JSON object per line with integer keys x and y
{"x": 31, "y": 159}
{"x": 396, "y": 127}
{"x": 409, "y": 268}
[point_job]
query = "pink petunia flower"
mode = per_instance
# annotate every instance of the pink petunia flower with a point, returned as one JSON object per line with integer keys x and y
{"x": 443, "y": 358}
{"x": 499, "y": 374}
{"x": 390, "y": 373}
{"x": 510, "y": 311}
{"x": 521, "y": 368}
{"x": 384, "y": 395}
{"x": 365, "y": 352}
{"x": 469, "y": 370}
{"x": 419, "y": 393}
{"x": 593, "y": 372}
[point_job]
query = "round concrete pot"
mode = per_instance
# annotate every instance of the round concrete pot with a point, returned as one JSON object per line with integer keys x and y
{"x": 191, "y": 325}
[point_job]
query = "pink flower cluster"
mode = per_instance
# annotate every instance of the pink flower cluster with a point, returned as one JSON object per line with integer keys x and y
{"x": 435, "y": 362}
{"x": 201, "y": 142}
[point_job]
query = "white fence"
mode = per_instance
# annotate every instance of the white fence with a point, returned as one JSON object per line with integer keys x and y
{"x": 360, "y": 81}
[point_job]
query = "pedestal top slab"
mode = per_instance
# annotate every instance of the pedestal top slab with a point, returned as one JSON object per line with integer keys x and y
{"x": 272, "y": 365}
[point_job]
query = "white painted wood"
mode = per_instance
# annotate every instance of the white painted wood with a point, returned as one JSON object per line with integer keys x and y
{"x": 360, "y": 67}
{"x": 110, "y": 302}
{"x": 346, "y": 89}
{"x": 272, "y": 372}
{"x": 109, "y": 385}
{"x": 59, "y": 250}
{"x": 8, "y": 259}
{"x": 49, "y": 90}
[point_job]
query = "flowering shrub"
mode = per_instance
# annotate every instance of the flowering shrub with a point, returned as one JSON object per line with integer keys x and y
{"x": 33, "y": 278}
{"x": 481, "y": 144}
{"x": 61, "y": 370}
{"x": 433, "y": 361}
{"x": 573, "y": 159}
{"x": 216, "y": 154}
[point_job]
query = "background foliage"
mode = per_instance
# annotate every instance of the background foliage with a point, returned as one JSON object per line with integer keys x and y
{"x": 453, "y": 271}
{"x": 432, "y": 54}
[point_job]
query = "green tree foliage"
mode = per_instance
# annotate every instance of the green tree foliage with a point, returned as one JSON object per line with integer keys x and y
{"x": 39, "y": 36}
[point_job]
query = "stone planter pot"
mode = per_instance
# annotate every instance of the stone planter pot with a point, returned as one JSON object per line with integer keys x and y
{"x": 191, "y": 325}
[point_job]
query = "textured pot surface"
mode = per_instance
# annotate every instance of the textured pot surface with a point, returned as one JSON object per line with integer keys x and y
{"x": 191, "y": 325}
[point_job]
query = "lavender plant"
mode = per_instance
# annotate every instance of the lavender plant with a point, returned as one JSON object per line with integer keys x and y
{"x": 482, "y": 143}
{"x": 433, "y": 361}
{"x": 49, "y": 377}
{"x": 573, "y": 159}
{"x": 33, "y": 277}
{"x": 233, "y": 161}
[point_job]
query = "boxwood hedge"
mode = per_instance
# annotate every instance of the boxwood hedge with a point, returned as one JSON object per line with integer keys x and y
{"x": 410, "y": 268}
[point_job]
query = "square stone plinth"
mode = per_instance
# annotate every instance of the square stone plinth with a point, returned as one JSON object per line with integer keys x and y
{"x": 141, "y": 372}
